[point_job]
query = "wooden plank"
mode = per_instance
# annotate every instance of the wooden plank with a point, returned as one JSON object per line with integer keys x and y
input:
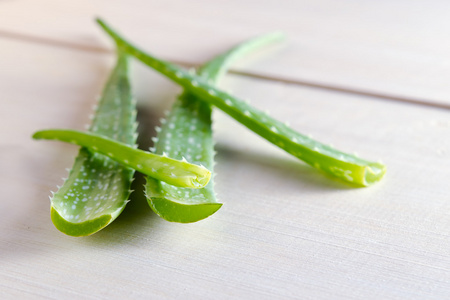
{"x": 391, "y": 48}
{"x": 284, "y": 231}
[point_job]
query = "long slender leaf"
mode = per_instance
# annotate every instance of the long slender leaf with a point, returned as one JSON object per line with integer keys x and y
{"x": 342, "y": 165}
{"x": 172, "y": 171}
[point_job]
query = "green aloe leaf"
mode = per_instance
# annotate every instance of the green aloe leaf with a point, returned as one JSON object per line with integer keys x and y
{"x": 344, "y": 166}
{"x": 97, "y": 188}
{"x": 186, "y": 133}
{"x": 172, "y": 171}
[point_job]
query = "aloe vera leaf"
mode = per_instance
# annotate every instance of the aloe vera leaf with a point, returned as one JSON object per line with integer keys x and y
{"x": 172, "y": 171}
{"x": 344, "y": 166}
{"x": 97, "y": 188}
{"x": 186, "y": 132}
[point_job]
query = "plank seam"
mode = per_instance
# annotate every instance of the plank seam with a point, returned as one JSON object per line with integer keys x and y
{"x": 317, "y": 85}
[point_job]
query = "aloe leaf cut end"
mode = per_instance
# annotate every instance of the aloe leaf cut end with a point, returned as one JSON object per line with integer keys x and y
{"x": 84, "y": 228}
{"x": 182, "y": 213}
{"x": 373, "y": 173}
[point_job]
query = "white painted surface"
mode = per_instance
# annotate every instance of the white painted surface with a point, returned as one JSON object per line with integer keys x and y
{"x": 285, "y": 231}
{"x": 397, "y": 48}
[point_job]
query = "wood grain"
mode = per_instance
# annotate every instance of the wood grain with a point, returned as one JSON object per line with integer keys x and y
{"x": 284, "y": 232}
{"x": 394, "y": 49}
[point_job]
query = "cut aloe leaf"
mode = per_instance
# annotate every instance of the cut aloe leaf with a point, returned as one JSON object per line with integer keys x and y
{"x": 97, "y": 188}
{"x": 186, "y": 132}
{"x": 344, "y": 166}
{"x": 172, "y": 171}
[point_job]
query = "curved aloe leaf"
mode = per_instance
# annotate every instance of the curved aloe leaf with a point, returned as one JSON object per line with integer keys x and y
{"x": 172, "y": 171}
{"x": 97, "y": 188}
{"x": 186, "y": 132}
{"x": 342, "y": 165}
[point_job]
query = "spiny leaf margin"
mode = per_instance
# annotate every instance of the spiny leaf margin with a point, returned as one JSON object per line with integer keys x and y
{"x": 97, "y": 188}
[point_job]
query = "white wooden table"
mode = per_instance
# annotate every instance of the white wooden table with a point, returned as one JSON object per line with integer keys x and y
{"x": 367, "y": 76}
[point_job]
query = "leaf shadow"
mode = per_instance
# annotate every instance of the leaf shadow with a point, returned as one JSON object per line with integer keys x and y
{"x": 286, "y": 170}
